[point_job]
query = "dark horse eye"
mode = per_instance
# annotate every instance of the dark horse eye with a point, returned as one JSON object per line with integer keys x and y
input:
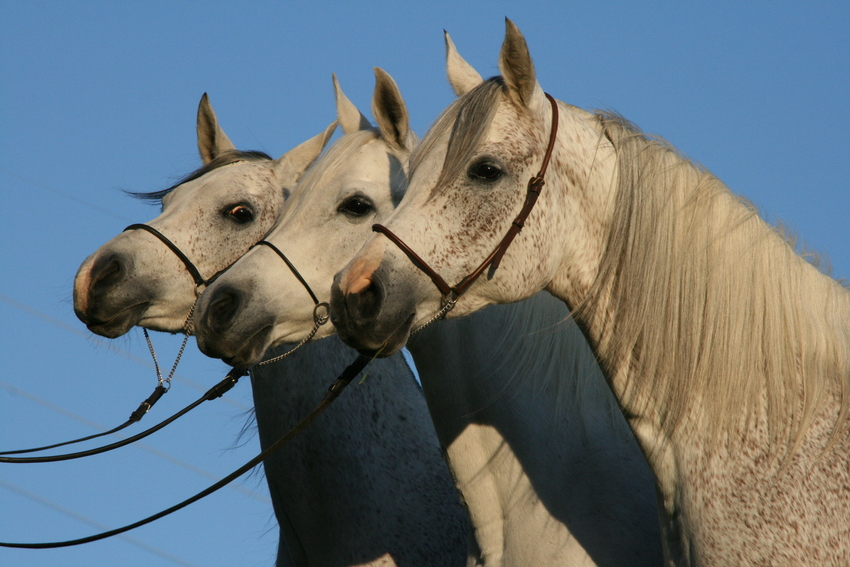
{"x": 486, "y": 171}
{"x": 240, "y": 213}
{"x": 356, "y": 206}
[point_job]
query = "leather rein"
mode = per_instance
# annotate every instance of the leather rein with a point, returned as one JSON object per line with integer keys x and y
{"x": 452, "y": 293}
{"x": 321, "y": 315}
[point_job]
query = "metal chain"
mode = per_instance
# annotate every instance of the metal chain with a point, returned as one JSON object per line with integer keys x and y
{"x": 441, "y": 314}
{"x": 188, "y": 327}
{"x": 319, "y": 320}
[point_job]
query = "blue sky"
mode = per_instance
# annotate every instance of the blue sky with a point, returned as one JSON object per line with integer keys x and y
{"x": 96, "y": 97}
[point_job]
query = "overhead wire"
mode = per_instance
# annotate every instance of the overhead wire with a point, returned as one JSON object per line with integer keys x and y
{"x": 95, "y": 524}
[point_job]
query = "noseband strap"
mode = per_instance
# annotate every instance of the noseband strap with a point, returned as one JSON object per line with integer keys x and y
{"x": 321, "y": 311}
{"x": 193, "y": 271}
{"x": 291, "y": 267}
{"x": 200, "y": 282}
{"x": 535, "y": 185}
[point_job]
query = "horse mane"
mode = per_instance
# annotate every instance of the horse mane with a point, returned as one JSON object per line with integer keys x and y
{"x": 227, "y": 157}
{"x": 712, "y": 307}
{"x": 467, "y": 120}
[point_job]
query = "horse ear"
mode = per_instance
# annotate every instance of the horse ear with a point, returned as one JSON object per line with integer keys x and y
{"x": 211, "y": 138}
{"x": 462, "y": 77}
{"x": 349, "y": 117}
{"x": 291, "y": 166}
{"x": 516, "y": 66}
{"x": 390, "y": 112}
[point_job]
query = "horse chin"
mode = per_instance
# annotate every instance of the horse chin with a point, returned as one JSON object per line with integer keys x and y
{"x": 163, "y": 324}
{"x": 247, "y": 354}
{"x": 380, "y": 345}
{"x": 118, "y": 324}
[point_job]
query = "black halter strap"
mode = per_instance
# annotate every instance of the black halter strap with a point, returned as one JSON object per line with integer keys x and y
{"x": 193, "y": 271}
{"x": 291, "y": 266}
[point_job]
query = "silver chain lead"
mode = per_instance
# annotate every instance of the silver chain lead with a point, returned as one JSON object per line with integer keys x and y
{"x": 187, "y": 327}
{"x": 441, "y": 314}
{"x": 319, "y": 320}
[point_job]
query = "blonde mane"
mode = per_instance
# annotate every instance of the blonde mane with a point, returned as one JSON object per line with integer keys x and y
{"x": 711, "y": 306}
{"x": 466, "y": 121}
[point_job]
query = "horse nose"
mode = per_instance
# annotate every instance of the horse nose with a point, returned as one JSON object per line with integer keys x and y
{"x": 105, "y": 273}
{"x": 362, "y": 302}
{"x": 222, "y": 309}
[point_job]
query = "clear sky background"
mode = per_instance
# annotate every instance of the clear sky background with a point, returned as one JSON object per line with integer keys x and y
{"x": 96, "y": 97}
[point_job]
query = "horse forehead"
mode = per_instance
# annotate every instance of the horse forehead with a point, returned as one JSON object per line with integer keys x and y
{"x": 371, "y": 160}
{"x": 520, "y": 129}
{"x": 238, "y": 178}
{"x": 251, "y": 177}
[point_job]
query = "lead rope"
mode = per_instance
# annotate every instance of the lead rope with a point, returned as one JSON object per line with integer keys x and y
{"x": 163, "y": 385}
{"x": 333, "y": 392}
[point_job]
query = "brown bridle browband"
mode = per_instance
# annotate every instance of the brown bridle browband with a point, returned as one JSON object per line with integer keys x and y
{"x": 535, "y": 185}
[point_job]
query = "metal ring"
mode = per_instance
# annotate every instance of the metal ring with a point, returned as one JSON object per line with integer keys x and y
{"x": 321, "y": 319}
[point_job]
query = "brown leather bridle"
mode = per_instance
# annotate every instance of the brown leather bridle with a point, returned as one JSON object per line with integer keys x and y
{"x": 535, "y": 185}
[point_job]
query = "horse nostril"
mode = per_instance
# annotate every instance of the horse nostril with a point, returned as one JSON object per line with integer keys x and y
{"x": 365, "y": 303}
{"x": 106, "y": 272}
{"x": 223, "y": 309}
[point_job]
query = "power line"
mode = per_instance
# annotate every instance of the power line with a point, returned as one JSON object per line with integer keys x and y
{"x": 97, "y": 525}
{"x": 61, "y": 193}
{"x": 144, "y": 446}
{"x": 109, "y": 345}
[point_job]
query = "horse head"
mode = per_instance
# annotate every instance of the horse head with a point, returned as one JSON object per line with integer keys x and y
{"x": 259, "y": 303}
{"x": 467, "y": 182}
{"x": 213, "y": 216}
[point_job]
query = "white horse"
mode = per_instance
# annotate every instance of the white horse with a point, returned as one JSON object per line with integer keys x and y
{"x": 728, "y": 352}
{"x": 546, "y": 483}
{"x": 366, "y": 482}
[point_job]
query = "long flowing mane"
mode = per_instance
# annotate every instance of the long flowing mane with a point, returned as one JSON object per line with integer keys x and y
{"x": 711, "y": 306}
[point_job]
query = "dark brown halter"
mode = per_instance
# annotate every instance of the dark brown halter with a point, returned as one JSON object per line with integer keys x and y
{"x": 535, "y": 185}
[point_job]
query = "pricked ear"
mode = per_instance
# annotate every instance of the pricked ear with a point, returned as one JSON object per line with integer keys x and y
{"x": 211, "y": 138}
{"x": 516, "y": 66}
{"x": 349, "y": 117}
{"x": 390, "y": 112}
{"x": 462, "y": 76}
{"x": 291, "y": 166}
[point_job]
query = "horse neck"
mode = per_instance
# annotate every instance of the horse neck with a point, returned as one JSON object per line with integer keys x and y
{"x": 368, "y": 473}
{"x": 700, "y": 313}
{"x": 530, "y": 428}
{"x": 507, "y": 350}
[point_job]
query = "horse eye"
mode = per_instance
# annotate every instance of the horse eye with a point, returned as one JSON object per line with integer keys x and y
{"x": 486, "y": 171}
{"x": 355, "y": 207}
{"x": 240, "y": 213}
